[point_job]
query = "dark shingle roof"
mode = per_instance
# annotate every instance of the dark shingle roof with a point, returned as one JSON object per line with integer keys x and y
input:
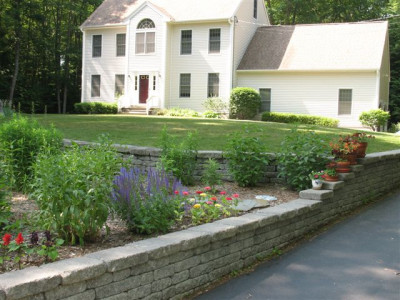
{"x": 267, "y": 48}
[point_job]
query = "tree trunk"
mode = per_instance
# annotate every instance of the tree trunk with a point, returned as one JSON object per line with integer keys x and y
{"x": 16, "y": 69}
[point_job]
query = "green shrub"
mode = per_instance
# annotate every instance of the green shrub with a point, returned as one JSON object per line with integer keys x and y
{"x": 72, "y": 189}
{"x": 374, "y": 118}
{"x": 178, "y": 112}
{"x": 244, "y": 103}
{"x": 211, "y": 176}
{"x": 209, "y": 114}
{"x": 246, "y": 157}
{"x": 146, "y": 200}
{"x": 5, "y": 208}
{"x": 95, "y": 108}
{"x": 21, "y": 140}
{"x": 395, "y": 127}
{"x": 299, "y": 155}
{"x": 179, "y": 157}
{"x": 299, "y": 118}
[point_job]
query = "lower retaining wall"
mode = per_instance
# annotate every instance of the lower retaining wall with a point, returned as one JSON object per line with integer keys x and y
{"x": 176, "y": 264}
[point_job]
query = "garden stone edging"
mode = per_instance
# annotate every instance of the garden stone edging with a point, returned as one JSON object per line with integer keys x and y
{"x": 147, "y": 157}
{"x": 179, "y": 263}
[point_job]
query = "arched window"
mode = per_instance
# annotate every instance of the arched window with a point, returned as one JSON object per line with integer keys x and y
{"x": 145, "y": 24}
{"x": 145, "y": 37}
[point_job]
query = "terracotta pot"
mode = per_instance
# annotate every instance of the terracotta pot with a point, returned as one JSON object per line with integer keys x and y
{"x": 352, "y": 158}
{"x": 361, "y": 150}
{"x": 331, "y": 178}
{"x": 331, "y": 165}
{"x": 343, "y": 167}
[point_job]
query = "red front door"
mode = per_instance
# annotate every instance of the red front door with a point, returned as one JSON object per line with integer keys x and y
{"x": 143, "y": 88}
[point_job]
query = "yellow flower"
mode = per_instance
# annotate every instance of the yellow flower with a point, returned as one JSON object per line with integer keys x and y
{"x": 218, "y": 205}
{"x": 191, "y": 200}
{"x": 196, "y": 205}
{"x": 203, "y": 194}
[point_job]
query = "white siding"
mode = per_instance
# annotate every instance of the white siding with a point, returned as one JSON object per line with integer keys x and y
{"x": 315, "y": 93}
{"x": 106, "y": 66}
{"x": 245, "y": 27}
{"x": 385, "y": 76}
{"x": 198, "y": 64}
{"x": 146, "y": 64}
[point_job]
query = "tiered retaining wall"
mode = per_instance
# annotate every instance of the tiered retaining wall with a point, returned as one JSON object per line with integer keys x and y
{"x": 148, "y": 157}
{"x": 176, "y": 264}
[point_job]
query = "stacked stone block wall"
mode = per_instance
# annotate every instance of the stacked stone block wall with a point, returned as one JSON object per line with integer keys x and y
{"x": 174, "y": 265}
{"x": 148, "y": 157}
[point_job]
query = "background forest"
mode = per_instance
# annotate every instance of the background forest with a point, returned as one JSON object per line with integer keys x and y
{"x": 41, "y": 44}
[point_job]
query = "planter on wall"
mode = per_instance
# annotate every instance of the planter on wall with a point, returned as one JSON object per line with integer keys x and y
{"x": 343, "y": 167}
{"x": 352, "y": 158}
{"x": 362, "y": 149}
{"x": 331, "y": 178}
{"x": 316, "y": 184}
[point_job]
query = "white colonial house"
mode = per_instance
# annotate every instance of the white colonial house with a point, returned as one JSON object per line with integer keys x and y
{"x": 177, "y": 53}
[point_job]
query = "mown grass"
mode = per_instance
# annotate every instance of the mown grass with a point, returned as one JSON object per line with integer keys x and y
{"x": 212, "y": 134}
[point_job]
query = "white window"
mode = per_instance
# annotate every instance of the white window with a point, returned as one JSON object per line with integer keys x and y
{"x": 213, "y": 85}
{"x": 255, "y": 9}
{"x": 96, "y": 45}
{"x": 186, "y": 42}
{"x": 265, "y": 100}
{"x": 121, "y": 42}
{"x": 214, "y": 45}
{"x": 95, "y": 86}
{"x": 184, "y": 86}
{"x": 119, "y": 85}
{"x": 345, "y": 99}
{"x": 145, "y": 37}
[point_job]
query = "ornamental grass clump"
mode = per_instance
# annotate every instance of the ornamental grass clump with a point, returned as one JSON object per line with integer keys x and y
{"x": 148, "y": 201}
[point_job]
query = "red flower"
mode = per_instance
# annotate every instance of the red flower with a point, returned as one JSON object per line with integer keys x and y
{"x": 199, "y": 192}
{"x": 316, "y": 176}
{"x": 6, "y": 239}
{"x": 185, "y": 193}
{"x": 209, "y": 202}
{"x": 207, "y": 188}
{"x": 228, "y": 198}
{"x": 235, "y": 195}
{"x": 176, "y": 192}
{"x": 222, "y": 192}
{"x": 214, "y": 198}
{"x": 19, "y": 240}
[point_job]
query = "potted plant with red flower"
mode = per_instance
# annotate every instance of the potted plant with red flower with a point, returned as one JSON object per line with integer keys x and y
{"x": 330, "y": 175}
{"x": 317, "y": 179}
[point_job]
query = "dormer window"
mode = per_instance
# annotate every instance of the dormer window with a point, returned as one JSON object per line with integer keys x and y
{"x": 145, "y": 37}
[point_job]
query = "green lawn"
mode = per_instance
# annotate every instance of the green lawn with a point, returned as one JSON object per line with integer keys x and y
{"x": 212, "y": 134}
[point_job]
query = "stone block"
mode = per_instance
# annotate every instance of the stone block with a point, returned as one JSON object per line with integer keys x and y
{"x": 186, "y": 264}
{"x": 317, "y": 194}
{"x": 201, "y": 270}
{"x": 34, "y": 297}
{"x": 357, "y": 168}
{"x": 160, "y": 285}
{"x": 188, "y": 239}
{"x": 192, "y": 283}
{"x": 76, "y": 269}
{"x": 168, "y": 293}
{"x": 99, "y": 281}
{"x": 120, "y": 258}
{"x": 346, "y": 176}
{"x": 217, "y": 231}
{"x": 181, "y": 276}
{"x": 139, "y": 292}
{"x": 122, "y": 296}
{"x": 87, "y": 295}
{"x": 120, "y": 275}
{"x": 243, "y": 223}
{"x": 166, "y": 271}
{"x": 329, "y": 185}
{"x": 64, "y": 291}
{"x": 209, "y": 154}
{"x": 28, "y": 282}
{"x": 117, "y": 287}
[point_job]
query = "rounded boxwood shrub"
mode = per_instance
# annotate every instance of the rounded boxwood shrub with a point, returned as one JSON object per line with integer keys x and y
{"x": 244, "y": 103}
{"x": 374, "y": 118}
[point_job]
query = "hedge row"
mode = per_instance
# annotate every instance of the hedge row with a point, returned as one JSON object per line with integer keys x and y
{"x": 298, "y": 118}
{"x": 95, "y": 108}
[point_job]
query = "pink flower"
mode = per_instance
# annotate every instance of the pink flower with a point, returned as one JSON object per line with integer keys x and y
{"x": 235, "y": 195}
{"x": 19, "y": 240}
{"x": 228, "y": 198}
{"x": 199, "y": 192}
{"x": 207, "y": 188}
{"x": 214, "y": 198}
{"x": 176, "y": 192}
{"x": 222, "y": 193}
{"x": 315, "y": 176}
{"x": 185, "y": 193}
{"x": 6, "y": 239}
{"x": 209, "y": 202}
